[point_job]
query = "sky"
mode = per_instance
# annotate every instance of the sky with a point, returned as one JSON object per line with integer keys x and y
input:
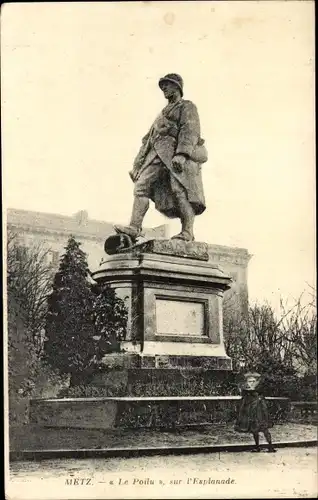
{"x": 80, "y": 89}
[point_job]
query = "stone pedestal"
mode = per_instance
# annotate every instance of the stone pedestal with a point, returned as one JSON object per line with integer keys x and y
{"x": 172, "y": 365}
{"x": 174, "y": 297}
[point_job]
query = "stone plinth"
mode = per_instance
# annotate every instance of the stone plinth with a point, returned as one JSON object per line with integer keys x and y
{"x": 172, "y": 366}
{"x": 174, "y": 297}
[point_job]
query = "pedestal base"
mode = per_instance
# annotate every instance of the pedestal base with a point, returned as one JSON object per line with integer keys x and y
{"x": 174, "y": 300}
{"x": 160, "y": 382}
{"x": 125, "y": 374}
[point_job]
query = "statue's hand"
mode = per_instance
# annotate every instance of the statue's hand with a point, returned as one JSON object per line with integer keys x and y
{"x": 178, "y": 162}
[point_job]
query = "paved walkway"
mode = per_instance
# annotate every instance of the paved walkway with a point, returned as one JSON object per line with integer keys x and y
{"x": 33, "y": 438}
{"x": 289, "y": 473}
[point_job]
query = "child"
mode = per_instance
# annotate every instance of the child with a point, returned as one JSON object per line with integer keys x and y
{"x": 253, "y": 412}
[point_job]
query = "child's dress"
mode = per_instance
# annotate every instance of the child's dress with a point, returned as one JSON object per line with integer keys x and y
{"x": 253, "y": 413}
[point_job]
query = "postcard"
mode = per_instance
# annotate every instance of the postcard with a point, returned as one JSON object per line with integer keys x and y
{"x": 159, "y": 249}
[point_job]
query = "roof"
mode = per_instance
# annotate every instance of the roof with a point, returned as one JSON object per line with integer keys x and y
{"x": 79, "y": 224}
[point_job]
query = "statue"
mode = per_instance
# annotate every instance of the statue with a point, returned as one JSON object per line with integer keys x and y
{"x": 167, "y": 169}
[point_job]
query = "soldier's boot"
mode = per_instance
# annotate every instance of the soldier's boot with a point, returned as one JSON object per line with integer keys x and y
{"x": 140, "y": 207}
{"x": 187, "y": 219}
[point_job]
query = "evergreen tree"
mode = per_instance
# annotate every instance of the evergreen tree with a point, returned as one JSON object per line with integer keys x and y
{"x": 70, "y": 346}
{"x": 110, "y": 318}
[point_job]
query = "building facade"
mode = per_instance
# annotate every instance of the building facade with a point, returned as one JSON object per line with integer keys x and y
{"x": 53, "y": 231}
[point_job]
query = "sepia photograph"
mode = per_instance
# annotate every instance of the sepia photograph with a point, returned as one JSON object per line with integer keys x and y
{"x": 160, "y": 321}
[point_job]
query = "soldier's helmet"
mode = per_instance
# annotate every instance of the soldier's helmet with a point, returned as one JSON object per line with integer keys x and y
{"x": 174, "y": 78}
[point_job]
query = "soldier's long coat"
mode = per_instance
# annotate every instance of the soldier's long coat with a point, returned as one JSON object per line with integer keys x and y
{"x": 175, "y": 131}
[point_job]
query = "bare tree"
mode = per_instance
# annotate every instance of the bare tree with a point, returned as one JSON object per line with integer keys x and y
{"x": 29, "y": 282}
{"x": 299, "y": 328}
{"x": 287, "y": 340}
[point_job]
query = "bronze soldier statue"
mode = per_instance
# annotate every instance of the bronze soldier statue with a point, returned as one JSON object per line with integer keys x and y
{"x": 167, "y": 169}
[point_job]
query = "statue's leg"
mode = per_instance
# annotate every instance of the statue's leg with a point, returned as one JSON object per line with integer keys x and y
{"x": 186, "y": 215}
{"x": 140, "y": 208}
{"x": 142, "y": 193}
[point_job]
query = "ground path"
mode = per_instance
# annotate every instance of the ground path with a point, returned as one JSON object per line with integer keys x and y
{"x": 291, "y": 472}
{"x": 30, "y": 437}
